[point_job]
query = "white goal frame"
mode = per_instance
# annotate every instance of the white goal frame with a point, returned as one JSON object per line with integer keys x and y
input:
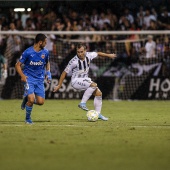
{"x": 85, "y": 32}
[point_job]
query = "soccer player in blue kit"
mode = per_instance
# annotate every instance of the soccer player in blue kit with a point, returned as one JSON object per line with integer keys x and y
{"x": 36, "y": 69}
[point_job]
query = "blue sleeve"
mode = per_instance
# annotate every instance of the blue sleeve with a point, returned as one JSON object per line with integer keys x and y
{"x": 23, "y": 57}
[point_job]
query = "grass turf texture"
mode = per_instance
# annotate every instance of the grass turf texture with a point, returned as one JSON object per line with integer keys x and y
{"x": 136, "y": 137}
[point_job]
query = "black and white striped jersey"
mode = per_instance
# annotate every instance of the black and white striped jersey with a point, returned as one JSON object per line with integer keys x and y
{"x": 78, "y": 67}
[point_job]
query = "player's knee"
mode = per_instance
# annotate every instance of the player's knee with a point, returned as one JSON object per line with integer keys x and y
{"x": 40, "y": 103}
{"x": 97, "y": 92}
{"x": 94, "y": 85}
{"x": 30, "y": 102}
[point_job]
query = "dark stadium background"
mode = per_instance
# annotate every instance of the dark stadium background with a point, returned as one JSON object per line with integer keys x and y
{"x": 118, "y": 79}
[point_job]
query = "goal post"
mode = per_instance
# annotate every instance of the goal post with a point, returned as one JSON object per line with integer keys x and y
{"x": 132, "y": 75}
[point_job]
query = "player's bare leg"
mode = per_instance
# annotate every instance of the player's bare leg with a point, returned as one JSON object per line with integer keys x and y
{"x": 87, "y": 94}
{"x": 39, "y": 100}
{"x": 98, "y": 103}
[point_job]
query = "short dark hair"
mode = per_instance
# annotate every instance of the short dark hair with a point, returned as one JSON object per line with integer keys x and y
{"x": 79, "y": 45}
{"x": 40, "y": 37}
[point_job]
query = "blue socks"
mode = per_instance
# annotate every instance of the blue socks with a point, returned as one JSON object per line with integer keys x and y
{"x": 28, "y": 112}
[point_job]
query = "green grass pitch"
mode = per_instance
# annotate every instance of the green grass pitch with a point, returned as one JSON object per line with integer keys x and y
{"x": 136, "y": 137}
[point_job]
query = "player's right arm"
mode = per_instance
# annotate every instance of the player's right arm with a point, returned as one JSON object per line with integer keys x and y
{"x": 19, "y": 70}
{"x": 62, "y": 77}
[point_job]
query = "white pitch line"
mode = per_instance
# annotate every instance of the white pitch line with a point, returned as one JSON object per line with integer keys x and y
{"x": 55, "y": 125}
{"x": 153, "y": 126}
{"x": 42, "y": 125}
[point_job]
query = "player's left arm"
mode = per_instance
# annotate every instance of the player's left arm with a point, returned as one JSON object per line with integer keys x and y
{"x": 48, "y": 73}
{"x": 20, "y": 72}
{"x": 101, "y": 54}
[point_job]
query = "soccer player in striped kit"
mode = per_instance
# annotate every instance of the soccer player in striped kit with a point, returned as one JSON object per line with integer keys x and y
{"x": 79, "y": 66}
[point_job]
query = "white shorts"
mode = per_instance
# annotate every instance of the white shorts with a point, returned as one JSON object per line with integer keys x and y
{"x": 81, "y": 83}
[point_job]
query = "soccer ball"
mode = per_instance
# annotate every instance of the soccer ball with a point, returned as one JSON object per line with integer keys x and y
{"x": 92, "y": 115}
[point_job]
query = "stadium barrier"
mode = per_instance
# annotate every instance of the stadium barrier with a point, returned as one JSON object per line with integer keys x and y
{"x": 130, "y": 76}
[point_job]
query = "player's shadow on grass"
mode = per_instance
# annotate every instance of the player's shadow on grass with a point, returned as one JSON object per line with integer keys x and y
{"x": 21, "y": 121}
{"x": 42, "y": 121}
{"x": 69, "y": 120}
{"x": 78, "y": 120}
{"x": 10, "y": 121}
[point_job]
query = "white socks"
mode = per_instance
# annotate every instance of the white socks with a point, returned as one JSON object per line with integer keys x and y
{"x": 97, "y": 99}
{"x": 87, "y": 94}
{"x": 98, "y": 103}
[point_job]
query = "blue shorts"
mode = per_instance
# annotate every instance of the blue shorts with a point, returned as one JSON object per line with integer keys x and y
{"x": 34, "y": 86}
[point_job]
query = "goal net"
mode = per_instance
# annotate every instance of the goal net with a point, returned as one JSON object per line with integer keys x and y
{"x": 140, "y": 71}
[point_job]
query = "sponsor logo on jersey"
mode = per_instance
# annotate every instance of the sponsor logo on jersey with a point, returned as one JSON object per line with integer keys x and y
{"x": 81, "y": 84}
{"x": 43, "y": 56}
{"x": 39, "y": 63}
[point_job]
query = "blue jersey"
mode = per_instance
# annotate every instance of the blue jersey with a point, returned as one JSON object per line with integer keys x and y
{"x": 34, "y": 62}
